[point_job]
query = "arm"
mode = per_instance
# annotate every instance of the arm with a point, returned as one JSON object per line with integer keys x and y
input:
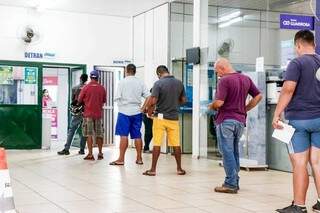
{"x": 151, "y": 104}
{"x": 285, "y": 98}
{"x": 117, "y": 95}
{"x": 216, "y": 105}
{"x": 253, "y": 102}
{"x": 221, "y": 95}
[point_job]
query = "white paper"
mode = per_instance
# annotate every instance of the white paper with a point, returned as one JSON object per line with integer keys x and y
{"x": 160, "y": 116}
{"x": 285, "y": 134}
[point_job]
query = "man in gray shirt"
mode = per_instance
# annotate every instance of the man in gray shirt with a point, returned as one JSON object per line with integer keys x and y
{"x": 167, "y": 95}
{"x": 131, "y": 90}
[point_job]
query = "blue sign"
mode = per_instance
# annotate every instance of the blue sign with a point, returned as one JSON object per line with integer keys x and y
{"x": 296, "y": 22}
{"x": 39, "y": 55}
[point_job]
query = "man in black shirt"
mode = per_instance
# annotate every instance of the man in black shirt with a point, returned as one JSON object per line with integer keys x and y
{"x": 77, "y": 118}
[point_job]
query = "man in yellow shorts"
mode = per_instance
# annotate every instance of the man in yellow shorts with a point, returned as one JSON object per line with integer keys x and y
{"x": 167, "y": 95}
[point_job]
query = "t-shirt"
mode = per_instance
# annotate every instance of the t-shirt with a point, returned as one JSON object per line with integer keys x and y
{"x": 234, "y": 89}
{"x": 168, "y": 91}
{"x": 93, "y": 95}
{"x": 75, "y": 93}
{"x": 129, "y": 95}
{"x": 305, "y": 103}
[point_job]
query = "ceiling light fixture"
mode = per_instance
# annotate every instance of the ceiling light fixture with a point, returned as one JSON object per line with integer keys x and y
{"x": 232, "y": 21}
{"x": 229, "y": 16}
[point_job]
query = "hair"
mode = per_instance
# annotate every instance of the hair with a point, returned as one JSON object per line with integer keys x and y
{"x": 44, "y": 91}
{"x": 162, "y": 69}
{"x": 84, "y": 78}
{"x": 305, "y": 36}
{"x": 131, "y": 68}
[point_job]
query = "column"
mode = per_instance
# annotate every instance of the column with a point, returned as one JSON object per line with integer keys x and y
{"x": 200, "y": 79}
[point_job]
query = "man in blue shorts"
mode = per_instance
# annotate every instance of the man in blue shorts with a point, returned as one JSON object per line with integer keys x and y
{"x": 131, "y": 90}
{"x": 300, "y": 99}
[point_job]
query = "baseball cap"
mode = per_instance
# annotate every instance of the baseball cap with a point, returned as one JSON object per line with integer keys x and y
{"x": 94, "y": 74}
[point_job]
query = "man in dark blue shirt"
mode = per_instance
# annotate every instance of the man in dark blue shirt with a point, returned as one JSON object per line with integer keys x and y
{"x": 300, "y": 99}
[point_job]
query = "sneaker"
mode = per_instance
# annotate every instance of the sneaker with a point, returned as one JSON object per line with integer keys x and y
{"x": 225, "y": 189}
{"x": 316, "y": 207}
{"x": 292, "y": 209}
{"x": 81, "y": 152}
{"x": 64, "y": 152}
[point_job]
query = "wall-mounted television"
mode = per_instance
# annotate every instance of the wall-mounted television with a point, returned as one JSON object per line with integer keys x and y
{"x": 193, "y": 55}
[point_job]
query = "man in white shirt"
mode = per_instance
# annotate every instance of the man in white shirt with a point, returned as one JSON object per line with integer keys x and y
{"x": 131, "y": 90}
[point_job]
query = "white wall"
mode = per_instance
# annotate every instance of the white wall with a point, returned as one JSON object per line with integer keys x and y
{"x": 74, "y": 37}
{"x": 150, "y": 42}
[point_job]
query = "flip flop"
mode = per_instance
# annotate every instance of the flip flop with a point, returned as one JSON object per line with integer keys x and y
{"x": 115, "y": 163}
{"x": 139, "y": 162}
{"x": 100, "y": 156}
{"x": 88, "y": 157}
{"x": 149, "y": 173}
{"x": 181, "y": 172}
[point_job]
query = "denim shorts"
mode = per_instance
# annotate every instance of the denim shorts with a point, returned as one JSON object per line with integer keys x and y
{"x": 129, "y": 125}
{"x": 307, "y": 134}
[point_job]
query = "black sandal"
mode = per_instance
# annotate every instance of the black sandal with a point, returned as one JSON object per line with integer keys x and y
{"x": 100, "y": 156}
{"x": 116, "y": 163}
{"x": 149, "y": 173}
{"x": 89, "y": 157}
{"x": 181, "y": 172}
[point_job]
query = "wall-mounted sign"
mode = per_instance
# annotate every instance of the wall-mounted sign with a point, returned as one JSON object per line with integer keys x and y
{"x": 121, "y": 62}
{"x": 50, "y": 80}
{"x": 30, "y": 75}
{"x": 40, "y": 55}
{"x": 296, "y": 22}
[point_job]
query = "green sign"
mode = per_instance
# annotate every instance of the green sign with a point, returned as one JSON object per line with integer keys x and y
{"x": 6, "y": 75}
{"x": 30, "y": 75}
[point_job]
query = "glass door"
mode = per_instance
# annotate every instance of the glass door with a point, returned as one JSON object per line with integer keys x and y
{"x": 20, "y": 105}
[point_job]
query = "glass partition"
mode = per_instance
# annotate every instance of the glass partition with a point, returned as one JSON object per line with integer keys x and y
{"x": 18, "y": 85}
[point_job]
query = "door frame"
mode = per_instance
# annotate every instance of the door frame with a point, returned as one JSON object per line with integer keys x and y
{"x": 40, "y": 66}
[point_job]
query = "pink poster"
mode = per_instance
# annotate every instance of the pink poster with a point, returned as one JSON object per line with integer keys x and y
{"x": 51, "y": 84}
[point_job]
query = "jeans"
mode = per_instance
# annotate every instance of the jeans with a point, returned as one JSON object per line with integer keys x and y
{"x": 229, "y": 133}
{"x": 148, "y": 122}
{"x": 76, "y": 122}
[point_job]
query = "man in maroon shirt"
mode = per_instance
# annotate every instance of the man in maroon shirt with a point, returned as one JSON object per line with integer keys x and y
{"x": 230, "y": 101}
{"x": 93, "y": 95}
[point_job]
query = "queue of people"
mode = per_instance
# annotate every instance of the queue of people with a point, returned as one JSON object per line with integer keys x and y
{"x": 300, "y": 100}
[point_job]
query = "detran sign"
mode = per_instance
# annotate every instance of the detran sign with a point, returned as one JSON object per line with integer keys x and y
{"x": 296, "y": 22}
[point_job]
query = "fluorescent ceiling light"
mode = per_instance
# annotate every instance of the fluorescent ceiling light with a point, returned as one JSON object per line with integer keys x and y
{"x": 232, "y": 21}
{"x": 229, "y": 16}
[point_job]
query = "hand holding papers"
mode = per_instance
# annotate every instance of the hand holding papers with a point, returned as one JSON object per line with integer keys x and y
{"x": 285, "y": 134}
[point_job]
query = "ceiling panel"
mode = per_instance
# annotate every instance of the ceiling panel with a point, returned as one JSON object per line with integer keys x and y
{"x": 125, "y": 8}
{"x": 292, "y": 6}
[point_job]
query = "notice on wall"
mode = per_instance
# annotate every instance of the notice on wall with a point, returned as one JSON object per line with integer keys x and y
{"x": 30, "y": 75}
{"x": 6, "y": 75}
{"x": 53, "y": 114}
{"x": 260, "y": 64}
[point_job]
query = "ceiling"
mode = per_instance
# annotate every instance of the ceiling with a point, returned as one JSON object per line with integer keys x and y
{"x": 125, "y": 8}
{"x": 293, "y": 6}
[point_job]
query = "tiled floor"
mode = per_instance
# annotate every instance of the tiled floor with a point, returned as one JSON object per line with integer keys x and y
{"x": 46, "y": 183}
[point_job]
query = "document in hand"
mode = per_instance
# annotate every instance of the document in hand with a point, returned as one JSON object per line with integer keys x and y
{"x": 285, "y": 134}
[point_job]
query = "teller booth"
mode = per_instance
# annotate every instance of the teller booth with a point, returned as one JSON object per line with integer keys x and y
{"x": 34, "y": 100}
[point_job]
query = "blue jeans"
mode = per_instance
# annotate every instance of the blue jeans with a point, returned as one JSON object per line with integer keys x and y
{"x": 307, "y": 134}
{"x": 76, "y": 122}
{"x": 229, "y": 133}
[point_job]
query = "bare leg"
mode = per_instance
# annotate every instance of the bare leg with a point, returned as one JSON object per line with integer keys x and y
{"x": 155, "y": 157}
{"x": 100, "y": 144}
{"x": 138, "y": 145}
{"x": 123, "y": 148}
{"x": 315, "y": 163}
{"x": 90, "y": 145}
{"x": 177, "y": 155}
{"x": 300, "y": 176}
